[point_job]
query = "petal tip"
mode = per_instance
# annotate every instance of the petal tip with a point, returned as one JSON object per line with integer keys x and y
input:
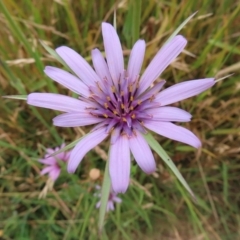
{"x": 70, "y": 169}
{"x": 48, "y": 70}
{"x": 95, "y": 50}
{"x": 150, "y": 170}
{"x": 141, "y": 41}
{"x": 47, "y": 67}
{"x": 120, "y": 186}
{"x": 106, "y": 25}
{"x": 119, "y": 189}
{"x": 181, "y": 38}
{"x": 61, "y": 49}
{"x": 197, "y": 144}
{"x": 163, "y": 82}
{"x": 29, "y": 97}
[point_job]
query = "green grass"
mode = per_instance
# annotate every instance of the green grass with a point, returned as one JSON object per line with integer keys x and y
{"x": 155, "y": 206}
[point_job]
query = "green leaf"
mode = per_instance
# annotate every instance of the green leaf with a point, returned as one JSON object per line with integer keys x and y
{"x": 160, "y": 151}
{"x": 54, "y": 54}
{"x": 225, "y": 131}
{"x": 180, "y": 28}
{"x": 19, "y": 97}
{"x": 136, "y": 19}
{"x": 69, "y": 146}
{"x": 131, "y": 28}
{"x": 104, "y": 196}
{"x": 225, "y": 46}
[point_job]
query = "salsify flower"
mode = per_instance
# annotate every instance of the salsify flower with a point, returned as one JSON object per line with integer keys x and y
{"x": 121, "y": 103}
{"x": 112, "y": 198}
{"x": 52, "y": 162}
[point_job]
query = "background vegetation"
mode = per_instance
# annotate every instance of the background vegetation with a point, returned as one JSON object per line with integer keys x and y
{"x": 156, "y": 206}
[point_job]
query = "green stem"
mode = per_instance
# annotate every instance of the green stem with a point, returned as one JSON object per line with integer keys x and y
{"x": 104, "y": 196}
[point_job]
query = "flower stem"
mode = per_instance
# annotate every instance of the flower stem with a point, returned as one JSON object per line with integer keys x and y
{"x": 104, "y": 196}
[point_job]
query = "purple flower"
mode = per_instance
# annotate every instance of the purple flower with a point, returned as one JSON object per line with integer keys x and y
{"x": 113, "y": 198}
{"x": 53, "y": 169}
{"x": 121, "y": 103}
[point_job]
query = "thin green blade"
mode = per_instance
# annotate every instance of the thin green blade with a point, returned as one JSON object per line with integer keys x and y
{"x": 180, "y": 28}
{"x": 104, "y": 196}
{"x": 115, "y": 18}
{"x": 19, "y": 97}
{"x": 160, "y": 151}
{"x": 54, "y": 54}
{"x": 69, "y": 146}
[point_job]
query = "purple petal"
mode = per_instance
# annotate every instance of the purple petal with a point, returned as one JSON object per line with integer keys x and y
{"x": 136, "y": 60}
{"x": 56, "y": 102}
{"x": 160, "y": 62}
{"x": 174, "y": 132}
{"x": 62, "y": 145}
{"x": 110, "y": 206}
{"x": 86, "y": 144}
{"x": 75, "y": 119}
{"x": 119, "y": 165}
{"x": 184, "y": 90}
{"x": 169, "y": 114}
{"x": 100, "y": 65}
{"x": 100, "y": 125}
{"x": 54, "y": 174}
{"x": 48, "y": 161}
{"x": 67, "y": 80}
{"x": 78, "y": 65}
{"x": 46, "y": 170}
{"x": 60, "y": 156}
{"x": 115, "y": 134}
{"x": 142, "y": 153}
{"x": 111, "y": 124}
{"x": 152, "y": 91}
{"x": 98, "y": 188}
{"x": 113, "y": 51}
{"x": 98, "y": 204}
{"x": 50, "y": 150}
{"x": 66, "y": 156}
{"x": 117, "y": 199}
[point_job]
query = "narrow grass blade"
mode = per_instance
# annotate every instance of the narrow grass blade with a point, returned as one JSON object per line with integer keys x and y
{"x": 14, "y": 81}
{"x": 136, "y": 19}
{"x": 19, "y": 97}
{"x": 69, "y": 146}
{"x": 36, "y": 113}
{"x": 104, "y": 196}
{"x": 180, "y": 28}
{"x": 115, "y": 18}
{"x": 17, "y": 32}
{"x": 54, "y": 54}
{"x": 222, "y": 78}
{"x": 225, "y": 181}
{"x": 131, "y": 28}
{"x": 226, "y": 131}
{"x": 225, "y": 46}
{"x": 160, "y": 151}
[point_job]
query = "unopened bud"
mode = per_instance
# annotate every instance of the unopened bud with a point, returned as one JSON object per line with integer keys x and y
{"x": 94, "y": 174}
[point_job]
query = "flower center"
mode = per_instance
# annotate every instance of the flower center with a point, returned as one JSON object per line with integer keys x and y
{"x": 119, "y": 104}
